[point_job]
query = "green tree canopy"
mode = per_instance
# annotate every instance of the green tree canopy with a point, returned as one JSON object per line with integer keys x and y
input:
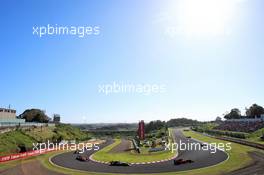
{"x": 155, "y": 125}
{"x": 34, "y": 115}
{"x": 254, "y": 110}
{"x": 233, "y": 114}
{"x": 181, "y": 122}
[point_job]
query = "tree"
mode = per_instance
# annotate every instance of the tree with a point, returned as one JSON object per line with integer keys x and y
{"x": 218, "y": 119}
{"x": 233, "y": 114}
{"x": 181, "y": 122}
{"x": 34, "y": 115}
{"x": 254, "y": 110}
{"x": 154, "y": 125}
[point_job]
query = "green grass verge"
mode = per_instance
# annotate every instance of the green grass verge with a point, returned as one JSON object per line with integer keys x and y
{"x": 40, "y": 134}
{"x": 106, "y": 156}
{"x": 44, "y": 159}
{"x": 238, "y": 158}
{"x": 10, "y": 164}
{"x": 10, "y": 141}
{"x": 255, "y": 136}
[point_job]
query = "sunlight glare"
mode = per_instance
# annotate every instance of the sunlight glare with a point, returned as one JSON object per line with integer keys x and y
{"x": 205, "y": 17}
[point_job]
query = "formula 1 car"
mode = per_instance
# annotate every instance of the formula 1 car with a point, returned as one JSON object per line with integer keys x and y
{"x": 181, "y": 161}
{"x": 188, "y": 137}
{"x": 82, "y": 158}
{"x": 118, "y": 163}
{"x": 77, "y": 151}
{"x": 262, "y": 138}
{"x": 202, "y": 144}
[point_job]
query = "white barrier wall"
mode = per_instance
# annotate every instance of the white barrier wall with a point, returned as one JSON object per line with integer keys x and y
{"x": 6, "y": 124}
{"x": 246, "y": 119}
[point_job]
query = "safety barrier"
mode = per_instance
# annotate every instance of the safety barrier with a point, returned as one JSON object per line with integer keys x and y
{"x": 243, "y": 142}
{"x": 23, "y": 155}
{"x": 136, "y": 147}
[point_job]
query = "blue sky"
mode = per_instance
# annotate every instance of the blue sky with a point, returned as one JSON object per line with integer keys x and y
{"x": 210, "y": 63}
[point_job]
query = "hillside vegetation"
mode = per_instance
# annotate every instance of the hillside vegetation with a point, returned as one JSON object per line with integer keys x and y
{"x": 16, "y": 141}
{"x": 209, "y": 129}
{"x": 256, "y": 136}
{"x": 12, "y": 142}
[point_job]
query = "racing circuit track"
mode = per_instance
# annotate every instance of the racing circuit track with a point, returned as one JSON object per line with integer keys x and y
{"x": 201, "y": 159}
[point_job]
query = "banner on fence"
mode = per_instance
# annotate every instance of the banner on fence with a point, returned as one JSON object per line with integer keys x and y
{"x": 23, "y": 155}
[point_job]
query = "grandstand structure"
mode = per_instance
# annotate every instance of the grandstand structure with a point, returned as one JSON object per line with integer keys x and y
{"x": 8, "y": 119}
{"x": 242, "y": 125}
{"x": 8, "y": 116}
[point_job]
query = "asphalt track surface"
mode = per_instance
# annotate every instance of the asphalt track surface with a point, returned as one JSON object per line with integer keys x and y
{"x": 201, "y": 158}
{"x": 122, "y": 147}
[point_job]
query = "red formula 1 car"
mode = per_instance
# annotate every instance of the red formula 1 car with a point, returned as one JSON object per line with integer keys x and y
{"x": 181, "y": 161}
{"x": 82, "y": 158}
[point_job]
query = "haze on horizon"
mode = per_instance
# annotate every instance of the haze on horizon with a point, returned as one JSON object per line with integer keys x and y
{"x": 208, "y": 53}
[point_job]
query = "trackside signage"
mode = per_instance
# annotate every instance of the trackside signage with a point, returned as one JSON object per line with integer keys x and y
{"x": 41, "y": 148}
{"x": 23, "y": 155}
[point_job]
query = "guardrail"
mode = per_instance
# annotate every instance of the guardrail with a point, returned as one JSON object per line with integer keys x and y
{"x": 10, "y": 124}
{"x": 243, "y": 142}
{"x": 135, "y": 146}
{"x": 239, "y": 141}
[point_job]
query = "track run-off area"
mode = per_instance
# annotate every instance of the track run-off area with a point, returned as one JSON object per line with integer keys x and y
{"x": 202, "y": 158}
